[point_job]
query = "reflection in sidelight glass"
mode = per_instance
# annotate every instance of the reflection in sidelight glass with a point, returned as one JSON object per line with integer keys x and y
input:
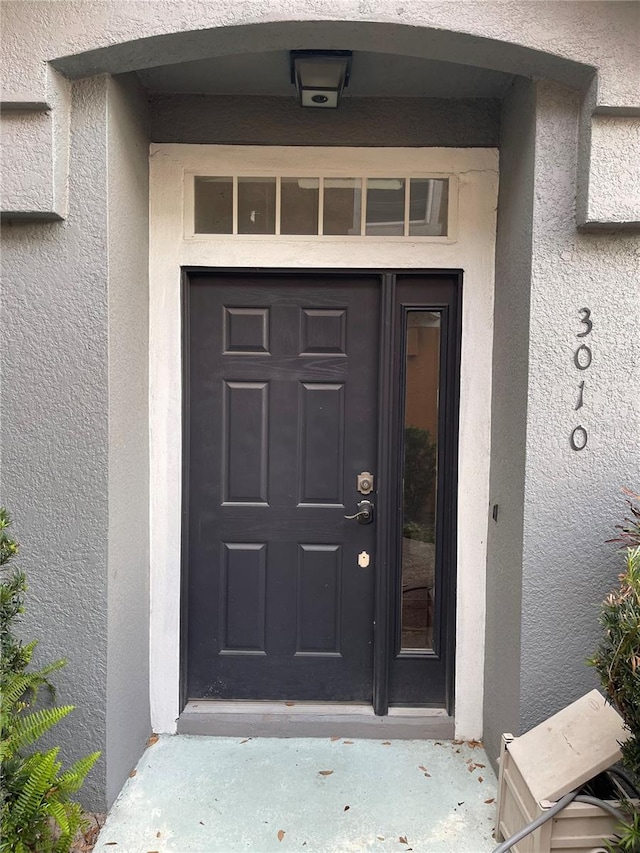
{"x": 299, "y": 205}
{"x": 342, "y": 206}
{"x": 213, "y": 206}
{"x": 385, "y": 206}
{"x": 422, "y": 372}
{"x": 256, "y": 205}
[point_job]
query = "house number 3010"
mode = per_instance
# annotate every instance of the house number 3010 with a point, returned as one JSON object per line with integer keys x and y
{"x": 582, "y": 359}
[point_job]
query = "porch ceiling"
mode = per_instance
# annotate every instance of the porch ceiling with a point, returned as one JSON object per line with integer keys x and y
{"x": 373, "y": 74}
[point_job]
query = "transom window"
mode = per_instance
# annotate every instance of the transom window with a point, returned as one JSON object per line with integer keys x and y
{"x": 324, "y": 206}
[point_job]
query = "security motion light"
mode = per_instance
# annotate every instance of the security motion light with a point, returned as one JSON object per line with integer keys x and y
{"x": 320, "y": 76}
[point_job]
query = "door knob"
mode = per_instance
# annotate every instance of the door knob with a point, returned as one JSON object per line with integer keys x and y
{"x": 364, "y": 514}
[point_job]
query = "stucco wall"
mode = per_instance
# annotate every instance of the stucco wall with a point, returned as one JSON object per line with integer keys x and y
{"x": 573, "y": 499}
{"x": 74, "y": 437}
{"x": 55, "y": 429}
{"x": 508, "y": 414}
{"x": 569, "y": 42}
{"x": 359, "y": 121}
{"x": 128, "y": 716}
{"x": 548, "y": 565}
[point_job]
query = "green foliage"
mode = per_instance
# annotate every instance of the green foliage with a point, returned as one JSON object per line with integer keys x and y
{"x": 627, "y": 836}
{"x": 630, "y": 531}
{"x": 36, "y": 814}
{"x": 419, "y": 473}
{"x": 617, "y": 659}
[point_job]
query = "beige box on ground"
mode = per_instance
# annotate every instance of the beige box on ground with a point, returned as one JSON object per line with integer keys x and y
{"x": 543, "y": 765}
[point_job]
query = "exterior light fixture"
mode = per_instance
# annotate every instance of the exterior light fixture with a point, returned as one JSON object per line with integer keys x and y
{"x": 320, "y": 76}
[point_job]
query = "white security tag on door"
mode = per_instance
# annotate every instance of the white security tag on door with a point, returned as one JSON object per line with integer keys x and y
{"x": 363, "y": 559}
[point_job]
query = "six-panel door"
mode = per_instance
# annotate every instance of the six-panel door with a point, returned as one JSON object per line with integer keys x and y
{"x": 281, "y": 414}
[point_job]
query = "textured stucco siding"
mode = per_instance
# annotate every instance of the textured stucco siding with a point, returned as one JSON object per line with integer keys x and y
{"x": 508, "y": 414}
{"x": 128, "y": 715}
{"x": 569, "y": 42}
{"x": 573, "y": 499}
{"x": 74, "y": 437}
{"x": 228, "y": 120}
{"x": 55, "y": 430}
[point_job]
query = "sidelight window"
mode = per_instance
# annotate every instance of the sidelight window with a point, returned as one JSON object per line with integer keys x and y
{"x": 420, "y": 477}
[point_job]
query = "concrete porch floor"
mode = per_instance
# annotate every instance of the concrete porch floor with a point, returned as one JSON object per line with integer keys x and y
{"x": 315, "y": 795}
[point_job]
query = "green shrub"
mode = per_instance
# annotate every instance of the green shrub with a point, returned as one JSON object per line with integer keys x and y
{"x": 617, "y": 659}
{"x": 629, "y": 535}
{"x": 36, "y": 813}
{"x": 617, "y": 662}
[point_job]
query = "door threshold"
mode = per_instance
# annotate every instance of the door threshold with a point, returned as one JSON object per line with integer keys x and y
{"x": 307, "y": 719}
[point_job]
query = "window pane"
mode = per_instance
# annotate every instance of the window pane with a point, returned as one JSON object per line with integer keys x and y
{"x": 342, "y": 206}
{"x": 420, "y": 478}
{"x": 299, "y": 205}
{"x": 428, "y": 207}
{"x": 213, "y": 212}
{"x": 385, "y": 206}
{"x": 256, "y": 205}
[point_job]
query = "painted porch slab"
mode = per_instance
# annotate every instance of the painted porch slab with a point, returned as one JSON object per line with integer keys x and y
{"x": 216, "y": 795}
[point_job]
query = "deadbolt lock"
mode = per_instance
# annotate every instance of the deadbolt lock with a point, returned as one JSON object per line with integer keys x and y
{"x": 365, "y": 483}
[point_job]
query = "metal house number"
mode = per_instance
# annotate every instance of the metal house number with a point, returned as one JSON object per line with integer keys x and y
{"x": 582, "y": 359}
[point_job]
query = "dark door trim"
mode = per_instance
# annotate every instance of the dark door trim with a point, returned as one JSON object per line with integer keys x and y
{"x": 387, "y": 460}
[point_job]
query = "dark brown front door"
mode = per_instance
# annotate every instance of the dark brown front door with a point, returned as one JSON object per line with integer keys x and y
{"x": 282, "y": 416}
{"x": 296, "y": 383}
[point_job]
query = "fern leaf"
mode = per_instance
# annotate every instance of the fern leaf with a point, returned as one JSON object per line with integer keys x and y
{"x": 31, "y": 727}
{"x": 58, "y": 812}
{"x": 71, "y": 780}
{"x": 34, "y": 789}
{"x": 13, "y": 688}
{"x": 76, "y": 821}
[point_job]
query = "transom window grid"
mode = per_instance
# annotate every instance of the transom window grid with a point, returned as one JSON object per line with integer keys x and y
{"x": 368, "y": 222}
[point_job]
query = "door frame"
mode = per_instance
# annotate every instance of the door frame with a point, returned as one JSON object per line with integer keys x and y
{"x": 387, "y": 455}
{"x": 470, "y": 248}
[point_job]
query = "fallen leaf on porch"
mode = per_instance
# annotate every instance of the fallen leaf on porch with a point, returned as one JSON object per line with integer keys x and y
{"x": 246, "y": 740}
{"x": 158, "y": 834}
{"x": 480, "y": 779}
{"x": 480, "y": 766}
{"x": 325, "y": 772}
{"x": 403, "y": 839}
{"x": 490, "y": 800}
{"x": 428, "y": 775}
{"x": 347, "y": 742}
{"x": 290, "y": 704}
{"x": 132, "y": 774}
{"x": 280, "y": 834}
{"x": 457, "y": 741}
{"x": 474, "y": 744}
{"x": 201, "y": 822}
{"x": 386, "y": 743}
{"x": 380, "y": 837}
{"x": 153, "y": 739}
{"x": 346, "y": 808}
{"x": 334, "y": 739}
{"x": 470, "y": 768}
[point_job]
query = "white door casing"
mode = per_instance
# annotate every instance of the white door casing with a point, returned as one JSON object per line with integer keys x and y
{"x": 470, "y": 247}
